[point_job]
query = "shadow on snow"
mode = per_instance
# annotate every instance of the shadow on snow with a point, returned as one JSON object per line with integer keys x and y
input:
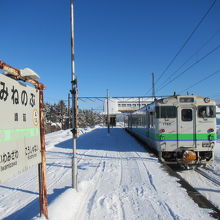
{"x": 118, "y": 140}
{"x": 99, "y": 139}
{"x": 32, "y": 209}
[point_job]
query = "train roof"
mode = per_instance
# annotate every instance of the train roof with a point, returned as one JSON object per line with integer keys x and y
{"x": 194, "y": 99}
{"x": 184, "y": 99}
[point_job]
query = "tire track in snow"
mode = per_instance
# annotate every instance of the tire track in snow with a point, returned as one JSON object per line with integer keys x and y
{"x": 170, "y": 211}
{"x": 137, "y": 189}
{"x": 108, "y": 201}
{"x": 129, "y": 190}
{"x": 165, "y": 206}
{"x": 119, "y": 186}
{"x": 89, "y": 194}
{"x": 148, "y": 172}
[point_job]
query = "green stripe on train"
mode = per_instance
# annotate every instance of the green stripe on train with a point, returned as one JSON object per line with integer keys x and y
{"x": 7, "y": 135}
{"x": 196, "y": 136}
{"x": 177, "y": 136}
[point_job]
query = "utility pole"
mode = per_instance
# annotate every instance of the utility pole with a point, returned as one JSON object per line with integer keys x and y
{"x": 74, "y": 93}
{"x": 153, "y": 86}
{"x": 108, "y": 119}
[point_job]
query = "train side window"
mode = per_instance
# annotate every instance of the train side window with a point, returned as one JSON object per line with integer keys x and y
{"x": 186, "y": 114}
{"x": 151, "y": 120}
{"x": 166, "y": 111}
{"x": 206, "y": 111}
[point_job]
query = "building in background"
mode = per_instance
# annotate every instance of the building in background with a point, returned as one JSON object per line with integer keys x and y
{"x": 118, "y": 106}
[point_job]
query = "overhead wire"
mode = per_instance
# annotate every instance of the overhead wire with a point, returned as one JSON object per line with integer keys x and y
{"x": 202, "y": 80}
{"x": 195, "y": 53}
{"x": 187, "y": 40}
{"x": 215, "y": 95}
{"x": 184, "y": 44}
{"x": 193, "y": 64}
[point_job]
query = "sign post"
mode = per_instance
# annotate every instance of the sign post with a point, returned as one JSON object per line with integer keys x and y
{"x": 22, "y": 139}
{"x": 42, "y": 166}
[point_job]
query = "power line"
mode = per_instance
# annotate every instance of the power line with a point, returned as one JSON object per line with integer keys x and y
{"x": 207, "y": 77}
{"x": 187, "y": 40}
{"x": 198, "y": 61}
{"x": 116, "y": 97}
{"x": 195, "y": 53}
{"x": 184, "y": 44}
{"x": 215, "y": 95}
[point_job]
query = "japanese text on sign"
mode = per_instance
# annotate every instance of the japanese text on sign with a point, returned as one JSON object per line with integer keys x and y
{"x": 19, "y": 127}
{"x": 23, "y": 98}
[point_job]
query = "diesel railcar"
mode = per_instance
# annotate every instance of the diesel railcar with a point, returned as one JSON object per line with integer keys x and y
{"x": 181, "y": 128}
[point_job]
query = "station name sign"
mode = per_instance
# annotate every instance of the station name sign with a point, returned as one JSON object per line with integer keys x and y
{"x": 19, "y": 127}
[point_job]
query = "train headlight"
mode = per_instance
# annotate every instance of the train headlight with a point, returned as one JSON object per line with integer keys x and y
{"x": 210, "y": 130}
{"x": 162, "y": 130}
{"x": 165, "y": 101}
{"x": 206, "y": 100}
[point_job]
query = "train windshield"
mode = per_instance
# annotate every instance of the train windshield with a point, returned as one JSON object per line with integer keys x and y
{"x": 166, "y": 112}
{"x": 186, "y": 115}
{"x": 206, "y": 111}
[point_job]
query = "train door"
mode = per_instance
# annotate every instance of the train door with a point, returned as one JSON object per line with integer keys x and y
{"x": 186, "y": 127}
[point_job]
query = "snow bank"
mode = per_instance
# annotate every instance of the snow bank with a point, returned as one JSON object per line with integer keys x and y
{"x": 66, "y": 206}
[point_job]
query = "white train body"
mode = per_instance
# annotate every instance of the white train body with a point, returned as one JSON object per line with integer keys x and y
{"x": 182, "y": 129}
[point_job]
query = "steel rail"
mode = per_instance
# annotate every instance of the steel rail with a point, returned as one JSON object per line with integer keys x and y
{"x": 196, "y": 196}
{"x": 212, "y": 179}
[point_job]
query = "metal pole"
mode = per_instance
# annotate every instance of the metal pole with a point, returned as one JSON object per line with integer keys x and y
{"x": 153, "y": 87}
{"x": 108, "y": 119}
{"x": 74, "y": 100}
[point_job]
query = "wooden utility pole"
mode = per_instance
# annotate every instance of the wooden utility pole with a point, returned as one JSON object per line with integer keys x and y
{"x": 74, "y": 93}
{"x": 42, "y": 166}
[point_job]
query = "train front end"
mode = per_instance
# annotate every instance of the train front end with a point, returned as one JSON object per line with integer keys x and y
{"x": 190, "y": 135}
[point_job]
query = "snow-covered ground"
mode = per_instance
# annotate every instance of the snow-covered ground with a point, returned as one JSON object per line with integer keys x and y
{"x": 210, "y": 190}
{"x": 117, "y": 179}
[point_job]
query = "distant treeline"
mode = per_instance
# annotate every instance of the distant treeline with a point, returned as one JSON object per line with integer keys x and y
{"x": 58, "y": 116}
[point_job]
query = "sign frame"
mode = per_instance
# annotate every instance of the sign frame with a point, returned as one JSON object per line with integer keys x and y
{"x": 38, "y": 119}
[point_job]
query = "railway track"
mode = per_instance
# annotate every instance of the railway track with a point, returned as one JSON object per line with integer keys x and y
{"x": 197, "y": 197}
{"x": 207, "y": 176}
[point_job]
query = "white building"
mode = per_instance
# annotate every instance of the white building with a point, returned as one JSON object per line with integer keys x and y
{"x": 121, "y": 105}
{"x": 117, "y": 106}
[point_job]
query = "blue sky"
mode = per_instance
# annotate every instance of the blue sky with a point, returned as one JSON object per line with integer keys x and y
{"x": 118, "y": 44}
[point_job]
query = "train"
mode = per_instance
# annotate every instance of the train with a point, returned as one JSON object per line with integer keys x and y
{"x": 180, "y": 128}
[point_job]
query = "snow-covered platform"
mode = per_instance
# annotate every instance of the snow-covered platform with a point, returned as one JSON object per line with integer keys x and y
{"x": 117, "y": 179}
